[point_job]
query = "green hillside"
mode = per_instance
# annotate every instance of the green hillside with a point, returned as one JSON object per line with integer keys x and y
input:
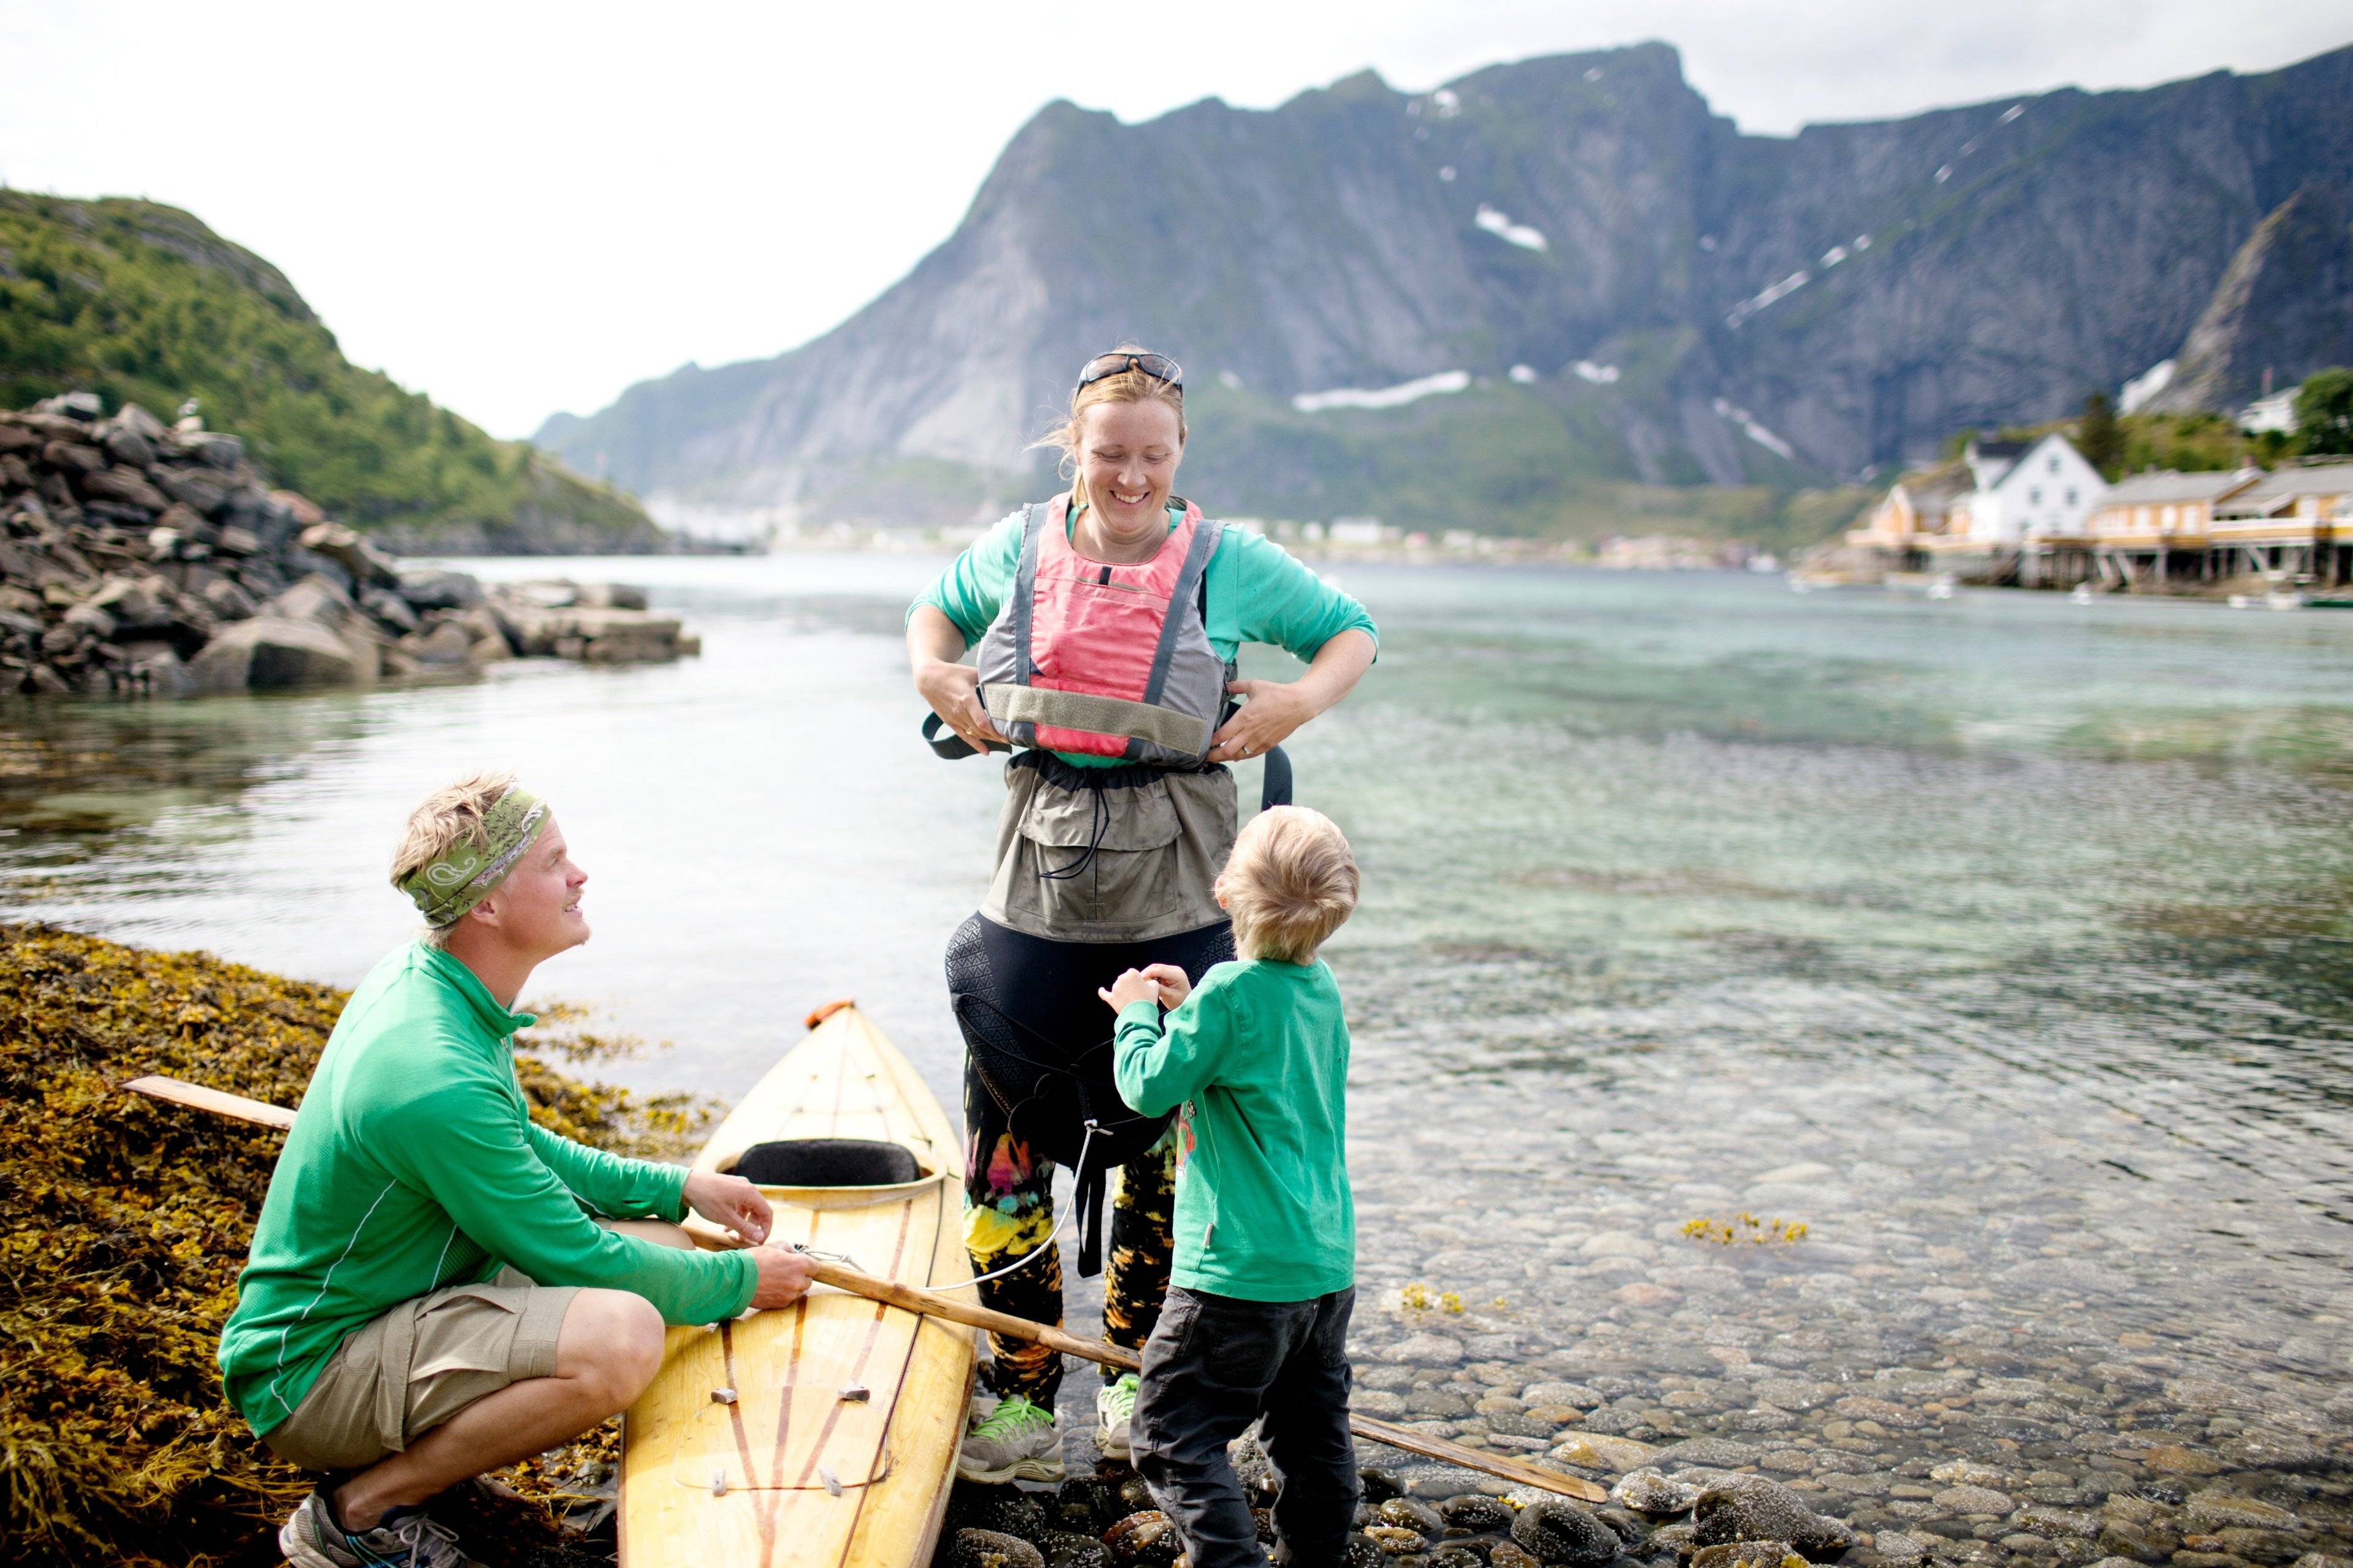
{"x": 144, "y": 303}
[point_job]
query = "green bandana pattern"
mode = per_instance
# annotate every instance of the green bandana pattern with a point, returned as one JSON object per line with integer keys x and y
{"x": 466, "y": 874}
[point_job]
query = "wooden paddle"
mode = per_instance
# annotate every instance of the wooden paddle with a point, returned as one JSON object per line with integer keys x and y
{"x": 890, "y": 1293}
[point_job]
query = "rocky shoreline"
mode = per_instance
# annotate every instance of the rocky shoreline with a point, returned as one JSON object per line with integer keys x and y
{"x": 137, "y": 559}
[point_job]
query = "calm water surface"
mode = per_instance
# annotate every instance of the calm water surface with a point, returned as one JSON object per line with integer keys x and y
{"x": 2002, "y": 942}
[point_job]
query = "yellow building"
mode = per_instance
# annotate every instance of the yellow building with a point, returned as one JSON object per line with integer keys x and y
{"x": 2155, "y": 526}
{"x": 2298, "y": 522}
{"x": 1915, "y": 509}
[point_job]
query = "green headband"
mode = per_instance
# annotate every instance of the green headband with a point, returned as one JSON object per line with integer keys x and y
{"x": 464, "y": 875}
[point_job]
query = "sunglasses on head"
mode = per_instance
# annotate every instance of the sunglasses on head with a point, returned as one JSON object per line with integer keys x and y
{"x": 1159, "y": 367}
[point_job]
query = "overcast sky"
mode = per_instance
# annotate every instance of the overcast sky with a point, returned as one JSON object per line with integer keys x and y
{"x": 521, "y": 209}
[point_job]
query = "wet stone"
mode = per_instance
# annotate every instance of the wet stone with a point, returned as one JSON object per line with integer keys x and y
{"x": 1069, "y": 1549}
{"x": 1437, "y": 1481}
{"x": 1973, "y": 1500}
{"x": 1562, "y": 1532}
{"x": 1720, "y": 1453}
{"x": 1510, "y": 1554}
{"x": 1747, "y": 1554}
{"x": 1404, "y": 1513}
{"x": 989, "y": 1549}
{"x": 1424, "y": 1350}
{"x": 1147, "y": 1537}
{"x": 1474, "y": 1513}
{"x": 1597, "y": 1451}
{"x": 1362, "y": 1554}
{"x": 1456, "y": 1556}
{"x": 1378, "y": 1487}
{"x": 1646, "y": 1491}
{"x": 1754, "y": 1508}
{"x": 1395, "y": 1540}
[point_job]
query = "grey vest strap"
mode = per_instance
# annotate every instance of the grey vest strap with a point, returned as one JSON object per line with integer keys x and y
{"x": 1180, "y": 603}
{"x": 1032, "y": 705}
{"x": 1025, "y": 590}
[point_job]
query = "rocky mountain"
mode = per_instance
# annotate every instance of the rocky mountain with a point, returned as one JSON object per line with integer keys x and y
{"x": 143, "y": 304}
{"x": 1472, "y": 305}
{"x": 2283, "y": 308}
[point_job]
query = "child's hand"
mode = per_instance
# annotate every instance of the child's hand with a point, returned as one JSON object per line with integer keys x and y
{"x": 1174, "y": 986}
{"x": 1136, "y": 985}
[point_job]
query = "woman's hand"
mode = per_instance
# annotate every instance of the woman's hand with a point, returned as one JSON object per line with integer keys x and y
{"x": 954, "y": 692}
{"x": 730, "y": 1201}
{"x": 953, "y": 689}
{"x": 1273, "y": 709}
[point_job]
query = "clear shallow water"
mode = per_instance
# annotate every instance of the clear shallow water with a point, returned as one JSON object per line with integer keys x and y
{"x": 2003, "y": 941}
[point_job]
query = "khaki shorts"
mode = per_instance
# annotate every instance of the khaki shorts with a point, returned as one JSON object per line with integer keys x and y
{"x": 412, "y": 1369}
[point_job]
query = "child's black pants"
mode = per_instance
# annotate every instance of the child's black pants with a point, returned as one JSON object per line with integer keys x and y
{"x": 1213, "y": 1365}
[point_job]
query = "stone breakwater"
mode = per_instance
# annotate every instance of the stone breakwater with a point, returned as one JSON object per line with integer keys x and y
{"x": 140, "y": 559}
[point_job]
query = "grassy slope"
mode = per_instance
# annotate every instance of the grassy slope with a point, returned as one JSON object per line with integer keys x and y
{"x": 144, "y": 303}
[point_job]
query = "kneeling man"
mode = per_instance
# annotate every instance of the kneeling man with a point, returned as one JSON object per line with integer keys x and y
{"x": 428, "y": 1296}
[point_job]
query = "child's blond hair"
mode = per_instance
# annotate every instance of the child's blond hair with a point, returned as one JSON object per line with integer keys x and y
{"x": 1290, "y": 883}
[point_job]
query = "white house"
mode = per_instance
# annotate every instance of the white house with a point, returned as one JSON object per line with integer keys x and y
{"x": 2041, "y": 490}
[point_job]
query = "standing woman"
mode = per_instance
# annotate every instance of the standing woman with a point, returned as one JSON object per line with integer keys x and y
{"x": 1108, "y": 620}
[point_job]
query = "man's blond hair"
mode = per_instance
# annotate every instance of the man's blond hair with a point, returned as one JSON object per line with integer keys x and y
{"x": 1288, "y": 885}
{"x": 448, "y": 817}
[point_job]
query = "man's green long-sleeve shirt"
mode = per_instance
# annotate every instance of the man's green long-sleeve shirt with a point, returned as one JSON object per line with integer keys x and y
{"x": 1258, "y": 1055}
{"x": 413, "y": 1166}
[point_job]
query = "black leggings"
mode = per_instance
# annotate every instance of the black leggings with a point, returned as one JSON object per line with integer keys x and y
{"x": 1030, "y": 996}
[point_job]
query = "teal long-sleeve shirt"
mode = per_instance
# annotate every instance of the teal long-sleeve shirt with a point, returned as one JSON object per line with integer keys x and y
{"x": 1257, "y": 1057}
{"x": 413, "y": 1165}
{"x": 1258, "y": 593}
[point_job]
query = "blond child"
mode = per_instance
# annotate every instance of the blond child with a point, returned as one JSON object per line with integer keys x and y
{"x": 1256, "y": 1324}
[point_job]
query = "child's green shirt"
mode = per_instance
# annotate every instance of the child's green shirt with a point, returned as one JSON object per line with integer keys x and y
{"x": 1258, "y": 1056}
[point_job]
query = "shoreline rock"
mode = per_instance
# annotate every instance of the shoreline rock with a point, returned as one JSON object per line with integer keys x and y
{"x": 141, "y": 559}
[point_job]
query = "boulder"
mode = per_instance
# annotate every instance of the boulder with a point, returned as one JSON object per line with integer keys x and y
{"x": 229, "y": 601}
{"x": 448, "y": 643}
{"x": 390, "y": 609}
{"x": 431, "y": 588}
{"x": 315, "y": 598}
{"x": 367, "y": 563}
{"x": 270, "y": 653}
{"x": 125, "y": 485}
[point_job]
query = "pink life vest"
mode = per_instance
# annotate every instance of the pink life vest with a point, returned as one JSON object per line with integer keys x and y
{"x": 1105, "y": 659}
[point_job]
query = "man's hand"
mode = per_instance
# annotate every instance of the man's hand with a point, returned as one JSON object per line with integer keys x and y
{"x": 1162, "y": 983}
{"x": 784, "y": 1277}
{"x": 732, "y": 1202}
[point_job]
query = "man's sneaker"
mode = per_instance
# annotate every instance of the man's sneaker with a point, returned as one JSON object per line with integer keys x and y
{"x": 311, "y": 1539}
{"x": 1017, "y": 1442}
{"x": 1114, "y": 1404}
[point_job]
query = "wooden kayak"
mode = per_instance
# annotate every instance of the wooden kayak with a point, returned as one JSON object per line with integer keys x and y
{"x": 824, "y": 1434}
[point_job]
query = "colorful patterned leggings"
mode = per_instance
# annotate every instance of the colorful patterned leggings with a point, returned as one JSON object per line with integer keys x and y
{"x": 1008, "y": 1186}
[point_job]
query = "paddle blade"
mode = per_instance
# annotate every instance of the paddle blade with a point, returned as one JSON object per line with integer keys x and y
{"x": 218, "y": 1101}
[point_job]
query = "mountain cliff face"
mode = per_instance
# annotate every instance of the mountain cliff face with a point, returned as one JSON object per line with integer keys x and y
{"x": 144, "y": 304}
{"x": 2283, "y": 308}
{"x": 1630, "y": 288}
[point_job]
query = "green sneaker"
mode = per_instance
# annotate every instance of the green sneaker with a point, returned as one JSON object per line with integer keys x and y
{"x": 1114, "y": 1404}
{"x": 1018, "y": 1441}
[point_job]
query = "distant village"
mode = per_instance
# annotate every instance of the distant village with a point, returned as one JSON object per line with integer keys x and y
{"x": 2036, "y": 514}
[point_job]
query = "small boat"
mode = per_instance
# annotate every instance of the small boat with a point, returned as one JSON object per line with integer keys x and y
{"x": 2083, "y": 594}
{"x": 824, "y": 1434}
